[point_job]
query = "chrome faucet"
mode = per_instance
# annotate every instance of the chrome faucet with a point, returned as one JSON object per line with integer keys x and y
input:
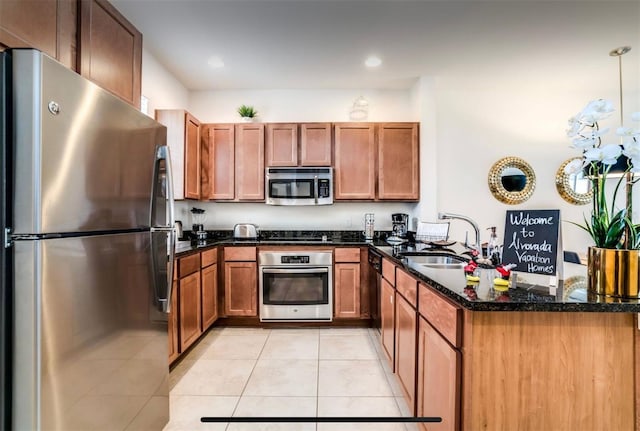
{"x": 445, "y": 216}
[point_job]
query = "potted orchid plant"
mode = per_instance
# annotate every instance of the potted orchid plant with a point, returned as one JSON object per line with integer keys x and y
{"x": 610, "y": 227}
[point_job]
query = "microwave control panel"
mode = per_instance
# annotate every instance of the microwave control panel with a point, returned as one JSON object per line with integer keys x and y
{"x": 323, "y": 188}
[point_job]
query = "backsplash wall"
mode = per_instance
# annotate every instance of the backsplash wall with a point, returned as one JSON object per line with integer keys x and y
{"x": 339, "y": 216}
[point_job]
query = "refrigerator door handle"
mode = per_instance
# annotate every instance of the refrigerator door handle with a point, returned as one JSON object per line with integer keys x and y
{"x": 162, "y": 154}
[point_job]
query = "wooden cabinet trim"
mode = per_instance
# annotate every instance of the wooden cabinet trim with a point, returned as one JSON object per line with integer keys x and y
{"x": 209, "y": 257}
{"x": 441, "y": 314}
{"x": 389, "y": 271}
{"x": 188, "y": 265}
{"x": 347, "y": 254}
{"x": 245, "y": 254}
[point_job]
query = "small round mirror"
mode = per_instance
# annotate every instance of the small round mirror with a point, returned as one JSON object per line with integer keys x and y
{"x": 512, "y": 180}
{"x": 572, "y": 184}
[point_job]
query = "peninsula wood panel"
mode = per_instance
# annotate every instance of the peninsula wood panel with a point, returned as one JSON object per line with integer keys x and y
{"x": 220, "y": 162}
{"x": 315, "y": 144}
{"x": 281, "y": 143}
{"x": 47, "y": 25}
{"x": 347, "y": 290}
{"x": 398, "y": 161}
{"x": 354, "y": 175}
{"x": 249, "y": 153}
{"x": 578, "y": 372}
{"x": 110, "y": 50}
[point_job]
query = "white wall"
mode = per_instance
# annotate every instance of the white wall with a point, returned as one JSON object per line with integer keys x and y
{"x": 160, "y": 87}
{"x": 300, "y": 105}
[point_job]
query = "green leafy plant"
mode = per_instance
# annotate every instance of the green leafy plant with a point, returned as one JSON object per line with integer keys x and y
{"x": 608, "y": 226}
{"x": 247, "y": 111}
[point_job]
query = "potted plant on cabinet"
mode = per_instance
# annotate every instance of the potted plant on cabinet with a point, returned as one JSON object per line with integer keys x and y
{"x": 248, "y": 113}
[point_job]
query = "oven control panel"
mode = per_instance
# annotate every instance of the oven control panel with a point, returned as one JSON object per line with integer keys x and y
{"x": 294, "y": 259}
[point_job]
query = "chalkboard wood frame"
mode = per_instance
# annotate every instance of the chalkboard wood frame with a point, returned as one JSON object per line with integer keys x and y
{"x": 531, "y": 241}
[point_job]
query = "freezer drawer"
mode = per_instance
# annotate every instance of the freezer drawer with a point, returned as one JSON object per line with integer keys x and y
{"x": 90, "y": 346}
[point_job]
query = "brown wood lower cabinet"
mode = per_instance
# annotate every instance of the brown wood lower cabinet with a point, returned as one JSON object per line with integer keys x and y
{"x": 388, "y": 317}
{"x": 405, "y": 349}
{"x": 241, "y": 288}
{"x": 209, "y": 296}
{"x": 189, "y": 319}
{"x": 347, "y": 290}
{"x": 438, "y": 391}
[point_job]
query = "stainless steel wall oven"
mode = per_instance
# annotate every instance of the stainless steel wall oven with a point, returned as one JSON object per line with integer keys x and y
{"x": 296, "y": 286}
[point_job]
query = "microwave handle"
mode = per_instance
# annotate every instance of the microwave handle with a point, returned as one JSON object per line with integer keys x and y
{"x": 315, "y": 188}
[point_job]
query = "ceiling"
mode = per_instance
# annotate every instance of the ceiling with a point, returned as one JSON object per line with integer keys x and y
{"x": 315, "y": 44}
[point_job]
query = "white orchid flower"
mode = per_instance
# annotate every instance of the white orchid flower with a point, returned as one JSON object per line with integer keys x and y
{"x": 607, "y": 154}
{"x": 583, "y": 143}
{"x": 625, "y": 131}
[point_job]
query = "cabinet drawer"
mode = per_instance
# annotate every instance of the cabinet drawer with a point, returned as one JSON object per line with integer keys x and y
{"x": 347, "y": 255}
{"x": 188, "y": 265}
{"x": 407, "y": 286}
{"x": 389, "y": 271}
{"x": 243, "y": 254}
{"x": 209, "y": 257}
{"x": 442, "y": 314}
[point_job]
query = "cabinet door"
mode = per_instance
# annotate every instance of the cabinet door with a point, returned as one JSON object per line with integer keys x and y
{"x": 189, "y": 310}
{"x": 438, "y": 379}
{"x": 240, "y": 289}
{"x": 209, "y": 296}
{"x": 191, "y": 157}
{"x": 282, "y": 145}
{"x": 387, "y": 318}
{"x": 249, "y": 162}
{"x": 315, "y": 144}
{"x": 47, "y": 25}
{"x": 220, "y": 162}
{"x": 354, "y": 161}
{"x": 174, "y": 348}
{"x": 405, "y": 347}
{"x": 398, "y": 161}
{"x": 347, "y": 290}
{"x": 110, "y": 51}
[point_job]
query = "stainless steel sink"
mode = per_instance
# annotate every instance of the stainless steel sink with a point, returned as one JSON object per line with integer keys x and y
{"x": 430, "y": 261}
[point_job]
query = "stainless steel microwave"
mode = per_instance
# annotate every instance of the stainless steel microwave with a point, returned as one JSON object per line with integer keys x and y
{"x": 299, "y": 186}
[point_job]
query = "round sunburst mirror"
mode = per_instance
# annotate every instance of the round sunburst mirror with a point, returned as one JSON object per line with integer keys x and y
{"x": 574, "y": 187}
{"x": 512, "y": 180}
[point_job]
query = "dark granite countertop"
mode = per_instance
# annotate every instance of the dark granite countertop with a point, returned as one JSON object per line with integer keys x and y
{"x": 532, "y": 293}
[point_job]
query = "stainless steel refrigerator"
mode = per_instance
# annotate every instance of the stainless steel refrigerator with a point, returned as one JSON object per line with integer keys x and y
{"x": 87, "y": 258}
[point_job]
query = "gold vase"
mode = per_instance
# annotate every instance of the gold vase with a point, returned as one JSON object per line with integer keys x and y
{"x": 614, "y": 272}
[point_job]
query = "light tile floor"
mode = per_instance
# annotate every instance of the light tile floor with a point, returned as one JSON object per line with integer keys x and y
{"x": 285, "y": 372}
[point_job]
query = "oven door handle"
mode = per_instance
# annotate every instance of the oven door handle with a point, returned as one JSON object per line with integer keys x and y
{"x": 296, "y": 270}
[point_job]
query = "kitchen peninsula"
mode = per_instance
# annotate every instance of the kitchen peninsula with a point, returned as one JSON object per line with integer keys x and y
{"x": 530, "y": 358}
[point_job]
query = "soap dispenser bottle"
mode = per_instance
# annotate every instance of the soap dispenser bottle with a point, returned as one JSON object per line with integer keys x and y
{"x": 493, "y": 248}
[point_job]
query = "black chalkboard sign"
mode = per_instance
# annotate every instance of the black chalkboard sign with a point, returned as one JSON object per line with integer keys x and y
{"x": 531, "y": 240}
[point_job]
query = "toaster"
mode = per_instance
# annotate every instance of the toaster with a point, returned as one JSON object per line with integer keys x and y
{"x": 245, "y": 231}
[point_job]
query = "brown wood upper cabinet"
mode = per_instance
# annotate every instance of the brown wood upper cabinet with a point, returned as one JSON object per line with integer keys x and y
{"x": 218, "y": 161}
{"x": 354, "y": 169}
{"x": 183, "y": 138}
{"x": 49, "y": 26}
{"x": 398, "y": 161}
{"x": 249, "y": 158}
{"x": 110, "y": 50}
{"x": 292, "y": 144}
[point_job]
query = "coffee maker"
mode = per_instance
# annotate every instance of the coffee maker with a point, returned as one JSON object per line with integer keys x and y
{"x": 400, "y": 223}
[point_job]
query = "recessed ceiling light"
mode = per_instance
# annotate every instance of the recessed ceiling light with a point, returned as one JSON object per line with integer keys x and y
{"x": 372, "y": 61}
{"x": 215, "y": 62}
